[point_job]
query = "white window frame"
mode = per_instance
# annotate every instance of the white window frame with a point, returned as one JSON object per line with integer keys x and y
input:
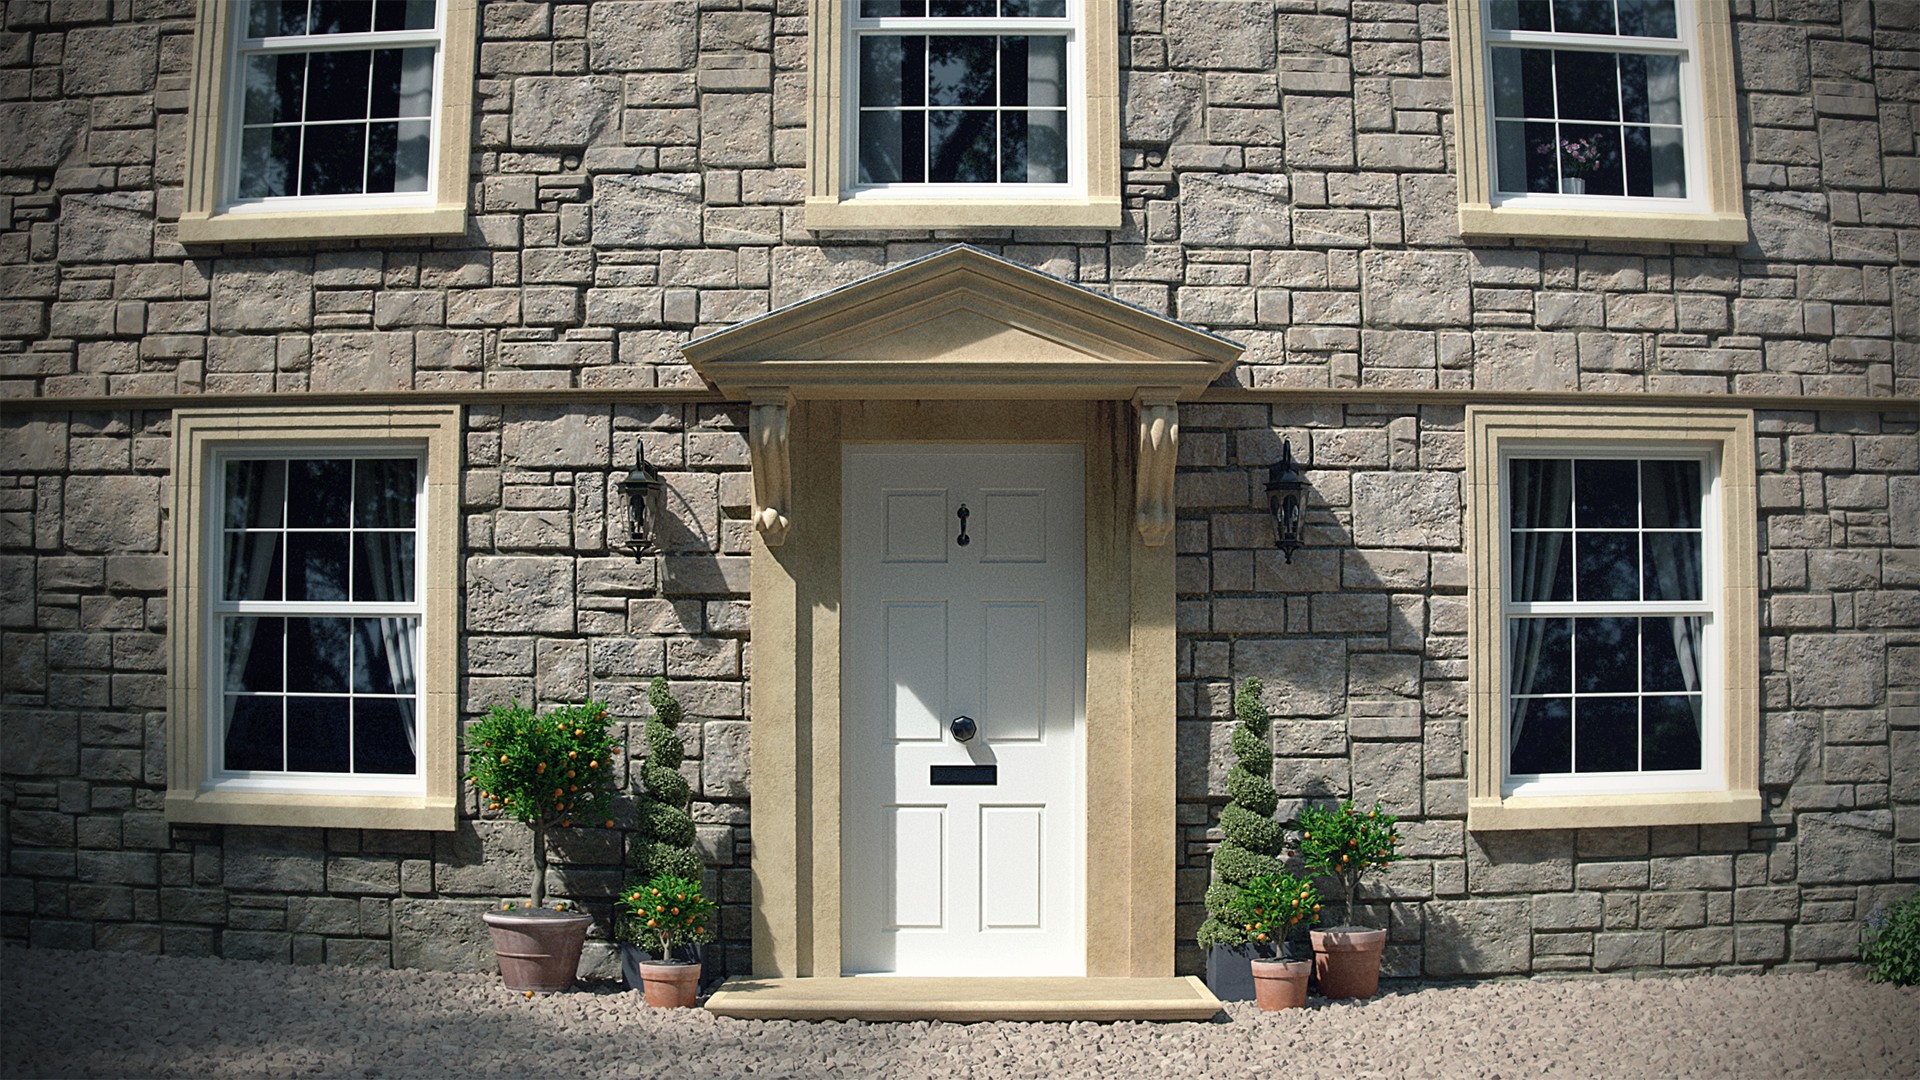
{"x": 1711, "y": 775}
{"x": 199, "y": 789}
{"x": 1090, "y": 198}
{"x": 218, "y": 608}
{"x": 1713, "y": 211}
{"x": 1727, "y": 787}
{"x": 1069, "y": 28}
{"x": 215, "y": 214}
{"x": 1685, "y": 48}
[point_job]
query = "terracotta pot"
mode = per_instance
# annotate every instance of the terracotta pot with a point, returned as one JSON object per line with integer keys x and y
{"x": 632, "y": 956}
{"x": 670, "y": 984}
{"x": 1280, "y": 984}
{"x": 1346, "y": 963}
{"x": 538, "y": 949}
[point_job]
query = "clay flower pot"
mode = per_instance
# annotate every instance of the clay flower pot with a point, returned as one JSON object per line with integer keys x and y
{"x": 1280, "y": 984}
{"x": 1346, "y": 963}
{"x": 670, "y": 984}
{"x": 538, "y": 949}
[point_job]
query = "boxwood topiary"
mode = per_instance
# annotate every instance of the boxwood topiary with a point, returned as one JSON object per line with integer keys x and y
{"x": 1252, "y": 841}
{"x": 663, "y": 845}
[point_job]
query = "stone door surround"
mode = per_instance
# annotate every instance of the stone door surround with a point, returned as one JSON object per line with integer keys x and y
{"x": 961, "y": 346}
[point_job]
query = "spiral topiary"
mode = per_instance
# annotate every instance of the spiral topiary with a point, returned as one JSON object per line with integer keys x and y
{"x": 663, "y": 845}
{"x": 1252, "y": 841}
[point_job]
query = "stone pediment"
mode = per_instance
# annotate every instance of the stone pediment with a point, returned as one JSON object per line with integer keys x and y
{"x": 961, "y": 324}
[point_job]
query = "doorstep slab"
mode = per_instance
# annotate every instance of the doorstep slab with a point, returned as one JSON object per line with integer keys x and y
{"x": 890, "y": 997}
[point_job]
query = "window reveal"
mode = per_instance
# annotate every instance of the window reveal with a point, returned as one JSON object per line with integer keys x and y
{"x": 318, "y": 616}
{"x": 1605, "y": 617}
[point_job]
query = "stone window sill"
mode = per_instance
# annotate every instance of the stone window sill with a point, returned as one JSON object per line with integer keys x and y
{"x": 329, "y": 225}
{"x": 903, "y": 214}
{"x": 1615, "y": 811}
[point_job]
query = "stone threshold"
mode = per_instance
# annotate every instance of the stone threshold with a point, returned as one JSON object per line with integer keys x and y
{"x": 889, "y": 997}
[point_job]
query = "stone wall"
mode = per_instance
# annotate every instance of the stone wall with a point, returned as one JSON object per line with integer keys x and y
{"x": 637, "y": 175}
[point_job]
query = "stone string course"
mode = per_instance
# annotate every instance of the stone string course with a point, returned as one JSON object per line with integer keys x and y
{"x": 1289, "y": 180}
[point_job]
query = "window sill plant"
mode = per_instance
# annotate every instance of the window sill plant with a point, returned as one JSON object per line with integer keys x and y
{"x": 546, "y": 771}
{"x": 671, "y": 911}
{"x": 1343, "y": 843}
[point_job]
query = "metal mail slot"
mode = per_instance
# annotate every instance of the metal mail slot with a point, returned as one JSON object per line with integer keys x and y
{"x": 969, "y": 775}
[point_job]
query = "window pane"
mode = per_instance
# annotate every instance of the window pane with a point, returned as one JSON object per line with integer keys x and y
{"x": 1034, "y": 147}
{"x": 317, "y": 566}
{"x": 1670, "y": 491}
{"x": 319, "y": 734}
{"x": 892, "y": 71}
{"x": 333, "y": 160}
{"x": 1606, "y": 494}
{"x": 1648, "y": 18}
{"x": 398, "y": 156}
{"x": 1543, "y": 158}
{"x": 1673, "y": 566}
{"x": 342, "y": 16}
{"x": 254, "y": 738}
{"x": 318, "y": 654}
{"x": 269, "y": 160}
{"x": 1670, "y": 655}
{"x": 275, "y": 86}
{"x": 961, "y": 146}
{"x": 1033, "y": 71}
{"x": 1542, "y": 736}
{"x": 402, "y": 83}
{"x": 1583, "y": 16}
{"x": 273, "y": 18}
{"x": 1606, "y": 734}
{"x": 1606, "y": 656}
{"x": 322, "y": 494}
{"x": 255, "y": 494}
{"x": 961, "y": 9}
{"x": 404, "y": 15}
{"x": 1650, "y": 89}
{"x": 383, "y": 567}
{"x": 1536, "y": 84}
{"x": 1541, "y": 491}
{"x": 253, "y": 654}
{"x": 893, "y": 9}
{"x": 1510, "y": 154}
{"x": 1592, "y": 154}
{"x": 383, "y": 735}
{"x": 252, "y": 566}
{"x": 1670, "y": 733}
{"x": 960, "y": 70}
{"x": 384, "y": 490}
{"x": 1034, "y": 9}
{"x": 337, "y": 85}
{"x": 1587, "y": 85}
{"x": 1607, "y": 566}
{"x": 383, "y": 655}
{"x": 1509, "y": 87}
{"x": 1667, "y": 163}
{"x": 1539, "y": 654}
{"x": 892, "y": 147}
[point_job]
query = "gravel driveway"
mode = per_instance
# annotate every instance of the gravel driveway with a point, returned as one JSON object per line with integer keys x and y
{"x": 99, "y": 1014}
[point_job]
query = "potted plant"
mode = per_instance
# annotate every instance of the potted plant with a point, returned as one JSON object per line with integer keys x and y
{"x": 1343, "y": 843}
{"x": 663, "y": 844}
{"x": 671, "y": 911}
{"x": 1268, "y": 907}
{"x": 545, "y": 770}
{"x": 1577, "y": 159}
{"x": 1250, "y": 846}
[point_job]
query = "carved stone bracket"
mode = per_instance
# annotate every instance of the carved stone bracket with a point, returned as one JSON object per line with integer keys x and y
{"x": 1153, "y": 466}
{"x": 772, "y": 472}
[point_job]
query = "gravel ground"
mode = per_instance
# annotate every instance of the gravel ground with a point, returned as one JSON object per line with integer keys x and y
{"x": 98, "y": 1014}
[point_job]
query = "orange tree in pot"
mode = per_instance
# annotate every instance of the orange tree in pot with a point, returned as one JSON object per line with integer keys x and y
{"x": 1268, "y": 907}
{"x": 546, "y": 770}
{"x": 1344, "y": 843}
{"x": 671, "y": 911}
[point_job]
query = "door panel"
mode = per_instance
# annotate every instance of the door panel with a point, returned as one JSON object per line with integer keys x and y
{"x": 940, "y": 877}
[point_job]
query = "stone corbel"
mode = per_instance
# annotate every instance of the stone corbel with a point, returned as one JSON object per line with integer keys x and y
{"x": 767, "y": 445}
{"x": 1153, "y": 465}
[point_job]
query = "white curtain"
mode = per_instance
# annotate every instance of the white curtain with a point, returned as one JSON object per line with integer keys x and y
{"x": 1541, "y": 499}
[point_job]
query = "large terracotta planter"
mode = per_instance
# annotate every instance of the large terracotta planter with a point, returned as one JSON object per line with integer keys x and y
{"x": 670, "y": 984}
{"x": 1346, "y": 963}
{"x": 538, "y": 949}
{"x": 1280, "y": 984}
{"x": 1228, "y": 974}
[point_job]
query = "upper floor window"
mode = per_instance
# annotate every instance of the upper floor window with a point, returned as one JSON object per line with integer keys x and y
{"x": 322, "y": 118}
{"x": 956, "y": 113}
{"x": 1605, "y": 119}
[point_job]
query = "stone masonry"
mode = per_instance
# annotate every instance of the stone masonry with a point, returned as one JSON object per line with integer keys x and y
{"x": 637, "y": 173}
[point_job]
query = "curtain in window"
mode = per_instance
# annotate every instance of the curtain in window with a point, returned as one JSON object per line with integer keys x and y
{"x": 391, "y": 578}
{"x": 1676, "y": 572}
{"x": 1536, "y": 556}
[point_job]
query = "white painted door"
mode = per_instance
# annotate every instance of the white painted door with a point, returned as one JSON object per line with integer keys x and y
{"x": 963, "y": 857}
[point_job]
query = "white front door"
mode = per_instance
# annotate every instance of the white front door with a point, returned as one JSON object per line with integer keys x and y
{"x": 964, "y": 595}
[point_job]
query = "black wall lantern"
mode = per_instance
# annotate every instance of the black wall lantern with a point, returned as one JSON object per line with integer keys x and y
{"x": 644, "y": 489}
{"x": 1286, "y": 494}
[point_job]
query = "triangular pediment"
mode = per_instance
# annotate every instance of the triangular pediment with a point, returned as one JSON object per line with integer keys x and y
{"x": 961, "y": 324}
